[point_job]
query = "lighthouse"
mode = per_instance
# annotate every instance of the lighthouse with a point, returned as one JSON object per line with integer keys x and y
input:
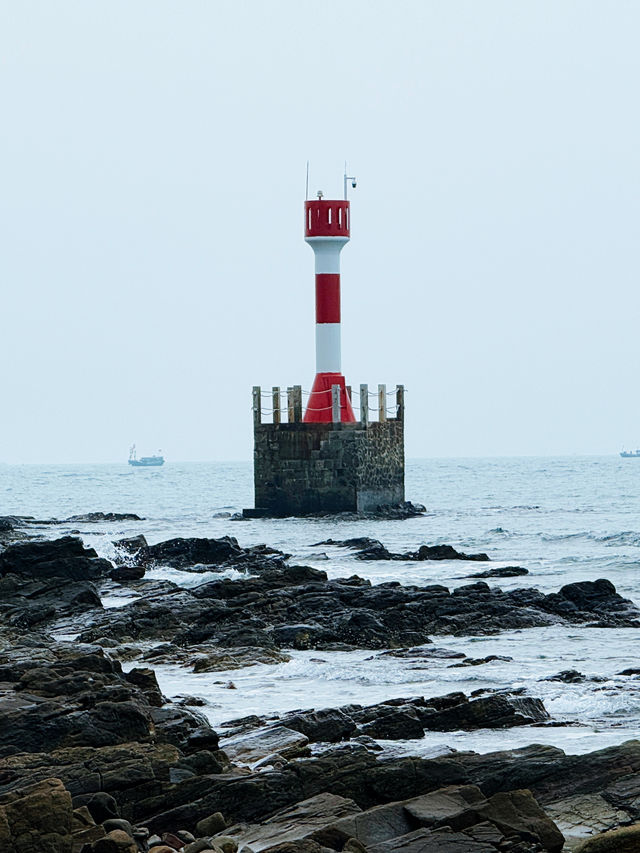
{"x": 319, "y": 458}
{"x": 327, "y": 231}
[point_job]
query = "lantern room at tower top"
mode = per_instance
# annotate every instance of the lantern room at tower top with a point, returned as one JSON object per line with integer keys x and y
{"x": 326, "y": 218}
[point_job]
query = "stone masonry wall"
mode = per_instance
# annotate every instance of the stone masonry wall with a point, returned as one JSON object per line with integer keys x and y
{"x": 301, "y": 469}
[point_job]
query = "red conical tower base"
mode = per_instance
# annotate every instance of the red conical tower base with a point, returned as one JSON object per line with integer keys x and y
{"x": 319, "y": 408}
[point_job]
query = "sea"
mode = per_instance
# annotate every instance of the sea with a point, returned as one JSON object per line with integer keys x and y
{"x": 564, "y": 519}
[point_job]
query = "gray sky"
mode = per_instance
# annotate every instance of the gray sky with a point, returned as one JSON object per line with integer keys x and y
{"x": 153, "y": 269}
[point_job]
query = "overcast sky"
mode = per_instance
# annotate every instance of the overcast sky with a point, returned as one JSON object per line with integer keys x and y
{"x": 152, "y": 264}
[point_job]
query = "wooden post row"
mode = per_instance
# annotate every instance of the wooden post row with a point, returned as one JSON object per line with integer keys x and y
{"x": 364, "y": 404}
{"x": 382, "y": 403}
{"x": 335, "y": 404}
{"x": 257, "y": 405}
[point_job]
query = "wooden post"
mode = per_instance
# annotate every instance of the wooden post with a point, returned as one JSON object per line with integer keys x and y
{"x": 382, "y": 403}
{"x": 257, "y": 405}
{"x": 290, "y": 404}
{"x": 335, "y": 404}
{"x": 400, "y": 402}
{"x": 275, "y": 396}
{"x": 297, "y": 403}
{"x": 364, "y": 404}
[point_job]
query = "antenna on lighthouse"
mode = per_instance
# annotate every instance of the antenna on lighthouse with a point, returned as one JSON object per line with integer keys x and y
{"x": 306, "y": 191}
{"x": 348, "y": 178}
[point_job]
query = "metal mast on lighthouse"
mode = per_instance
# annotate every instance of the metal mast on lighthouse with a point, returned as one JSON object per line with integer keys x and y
{"x": 327, "y": 231}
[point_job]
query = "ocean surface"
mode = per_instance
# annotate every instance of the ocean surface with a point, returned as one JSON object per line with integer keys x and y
{"x": 564, "y": 519}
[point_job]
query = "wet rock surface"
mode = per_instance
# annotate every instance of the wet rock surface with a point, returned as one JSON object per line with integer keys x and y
{"x": 93, "y": 759}
{"x": 275, "y": 605}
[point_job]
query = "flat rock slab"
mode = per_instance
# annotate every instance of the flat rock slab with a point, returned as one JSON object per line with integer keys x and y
{"x": 374, "y": 826}
{"x": 293, "y": 824}
{"x": 585, "y": 815}
{"x": 254, "y": 746}
{"x": 451, "y": 806}
{"x": 425, "y": 841}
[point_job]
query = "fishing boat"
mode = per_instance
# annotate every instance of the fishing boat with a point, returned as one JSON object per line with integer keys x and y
{"x": 630, "y": 454}
{"x": 144, "y": 461}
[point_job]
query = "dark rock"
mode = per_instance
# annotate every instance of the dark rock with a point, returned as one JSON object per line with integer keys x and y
{"x": 328, "y": 724}
{"x": 373, "y": 549}
{"x": 187, "y": 553}
{"x": 422, "y": 653}
{"x": 66, "y": 557}
{"x": 101, "y": 805}
{"x": 146, "y": 680}
{"x": 186, "y": 729}
{"x": 504, "y": 572}
{"x": 567, "y": 676}
{"x": 126, "y": 574}
{"x": 446, "y": 552}
{"x": 132, "y": 544}
{"x": 491, "y": 712}
{"x": 480, "y": 661}
{"x": 393, "y": 723}
{"x": 103, "y": 516}
{"x": 587, "y": 600}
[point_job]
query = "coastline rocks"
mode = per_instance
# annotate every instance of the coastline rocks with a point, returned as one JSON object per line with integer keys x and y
{"x": 299, "y": 607}
{"x": 154, "y": 786}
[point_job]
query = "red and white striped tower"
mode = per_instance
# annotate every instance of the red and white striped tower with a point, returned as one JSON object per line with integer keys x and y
{"x": 326, "y": 230}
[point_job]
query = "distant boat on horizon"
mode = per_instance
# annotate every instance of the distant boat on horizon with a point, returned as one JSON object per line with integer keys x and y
{"x": 630, "y": 454}
{"x": 144, "y": 461}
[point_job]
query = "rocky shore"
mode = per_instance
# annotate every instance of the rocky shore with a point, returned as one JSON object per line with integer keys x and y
{"x": 94, "y": 759}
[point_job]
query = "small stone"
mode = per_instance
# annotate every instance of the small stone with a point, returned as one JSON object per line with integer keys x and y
{"x": 172, "y": 841}
{"x": 225, "y": 843}
{"x": 211, "y": 825}
{"x": 201, "y": 845}
{"x": 116, "y": 841}
{"x": 185, "y": 836}
{"x": 118, "y": 823}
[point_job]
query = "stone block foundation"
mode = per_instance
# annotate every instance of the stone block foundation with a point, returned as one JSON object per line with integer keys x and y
{"x": 315, "y": 468}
